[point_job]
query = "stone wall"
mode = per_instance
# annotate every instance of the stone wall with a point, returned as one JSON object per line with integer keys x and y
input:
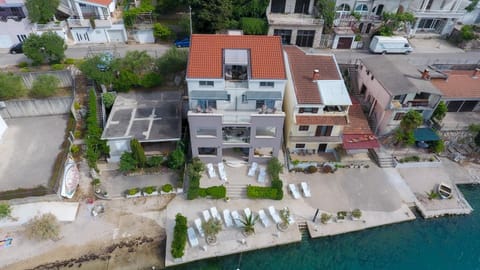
{"x": 36, "y": 107}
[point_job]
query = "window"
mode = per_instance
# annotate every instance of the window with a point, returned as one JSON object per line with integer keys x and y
{"x": 207, "y": 151}
{"x": 323, "y": 130}
{"x": 343, "y": 7}
{"x": 398, "y": 116}
{"x": 301, "y": 6}
{"x": 206, "y": 83}
{"x": 361, "y": 8}
{"x": 266, "y": 84}
{"x": 205, "y": 104}
{"x": 300, "y": 145}
{"x": 308, "y": 110}
{"x": 278, "y": 6}
{"x": 270, "y": 103}
{"x": 285, "y": 34}
{"x": 400, "y": 98}
{"x": 303, "y": 128}
{"x": 244, "y": 99}
{"x": 305, "y": 38}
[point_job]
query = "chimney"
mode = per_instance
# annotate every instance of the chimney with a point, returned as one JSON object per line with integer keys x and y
{"x": 316, "y": 75}
{"x": 426, "y": 74}
{"x": 476, "y": 72}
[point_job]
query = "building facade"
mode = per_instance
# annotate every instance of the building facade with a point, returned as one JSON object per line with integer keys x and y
{"x": 14, "y": 23}
{"x": 391, "y": 87}
{"x": 236, "y": 86}
{"x": 316, "y": 103}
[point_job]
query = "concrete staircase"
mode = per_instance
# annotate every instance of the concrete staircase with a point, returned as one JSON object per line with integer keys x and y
{"x": 303, "y": 228}
{"x": 383, "y": 159}
{"x": 236, "y": 191}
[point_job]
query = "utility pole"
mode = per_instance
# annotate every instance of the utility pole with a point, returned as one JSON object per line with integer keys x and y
{"x": 191, "y": 28}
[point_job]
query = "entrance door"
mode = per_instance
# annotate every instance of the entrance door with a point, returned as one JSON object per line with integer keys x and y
{"x": 305, "y": 38}
{"x": 345, "y": 43}
{"x": 322, "y": 148}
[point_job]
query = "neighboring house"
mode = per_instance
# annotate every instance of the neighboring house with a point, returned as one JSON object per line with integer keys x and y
{"x": 392, "y": 87}
{"x": 14, "y": 24}
{"x": 461, "y": 93}
{"x": 153, "y": 118}
{"x": 93, "y": 21}
{"x": 435, "y": 16}
{"x": 236, "y": 85}
{"x": 316, "y": 103}
{"x": 296, "y": 21}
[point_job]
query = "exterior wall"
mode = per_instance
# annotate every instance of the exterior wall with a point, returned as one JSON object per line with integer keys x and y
{"x": 144, "y": 36}
{"x": 36, "y": 107}
{"x": 289, "y": 103}
{"x": 3, "y": 127}
{"x": 117, "y": 147}
{"x": 11, "y": 30}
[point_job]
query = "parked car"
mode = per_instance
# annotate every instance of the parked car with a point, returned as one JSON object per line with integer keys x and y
{"x": 17, "y": 48}
{"x": 383, "y": 45}
{"x": 181, "y": 43}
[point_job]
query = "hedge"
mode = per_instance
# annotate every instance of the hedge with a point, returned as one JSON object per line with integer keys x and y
{"x": 275, "y": 191}
{"x": 179, "y": 236}
{"x": 255, "y": 192}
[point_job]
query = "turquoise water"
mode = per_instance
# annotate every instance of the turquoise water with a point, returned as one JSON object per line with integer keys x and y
{"x": 444, "y": 243}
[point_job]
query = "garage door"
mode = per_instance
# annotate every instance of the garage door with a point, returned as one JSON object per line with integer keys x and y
{"x": 116, "y": 36}
{"x": 344, "y": 43}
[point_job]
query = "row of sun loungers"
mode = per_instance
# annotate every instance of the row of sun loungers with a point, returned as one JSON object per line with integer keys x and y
{"x": 221, "y": 171}
{"x": 231, "y": 219}
{"x": 296, "y": 194}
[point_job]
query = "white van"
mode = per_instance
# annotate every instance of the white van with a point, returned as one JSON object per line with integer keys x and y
{"x": 380, "y": 44}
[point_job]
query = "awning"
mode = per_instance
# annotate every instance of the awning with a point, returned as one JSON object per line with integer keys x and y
{"x": 209, "y": 94}
{"x": 354, "y": 141}
{"x": 254, "y": 95}
{"x": 425, "y": 134}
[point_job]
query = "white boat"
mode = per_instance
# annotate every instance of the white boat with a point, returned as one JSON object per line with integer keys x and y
{"x": 71, "y": 178}
{"x": 444, "y": 190}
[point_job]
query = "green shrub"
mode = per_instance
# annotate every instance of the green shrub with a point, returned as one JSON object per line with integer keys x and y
{"x": 311, "y": 169}
{"x": 356, "y": 213}
{"x": 274, "y": 167}
{"x": 5, "y": 210}
{"x": 43, "y": 227}
{"x": 162, "y": 32}
{"x": 25, "y": 69}
{"x": 467, "y": 33}
{"x": 95, "y": 182}
{"x": 217, "y": 192}
{"x": 173, "y": 61}
{"x": 324, "y": 218}
{"x": 23, "y": 64}
{"x": 138, "y": 153}
{"x": 179, "y": 236}
{"x": 149, "y": 189}
{"x": 193, "y": 193}
{"x": 295, "y": 162}
{"x": 154, "y": 161}
{"x": 58, "y": 66}
{"x": 108, "y": 99}
{"x": 44, "y": 86}
{"x": 256, "y": 192}
{"x": 151, "y": 79}
{"x": 167, "y": 188}
{"x": 69, "y": 61}
{"x": 11, "y": 86}
{"x": 75, "y": 149}
{"x": 437, "y": 146}
{"x": 202, "y": 192}
{"x": 127, "y": 162}
{"x": 76, "y": 105}
{"x": 133, "y": 191}
{"x": 77, "y": 134}
{"x": 176, "y": 159}
{"x": 253, "y": 26}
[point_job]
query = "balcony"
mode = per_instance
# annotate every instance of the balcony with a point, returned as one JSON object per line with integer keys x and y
{"x": 295, "y": 19}
{"x": 429, "y": 13}
{"x": 415, "y": 103}
{"x": 236, "y": 135}
{"x": 52, "y": 26}
{"x": 236, "y": 84}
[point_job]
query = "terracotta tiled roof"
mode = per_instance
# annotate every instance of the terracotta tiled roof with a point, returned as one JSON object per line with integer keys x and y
{"x": 358, "y": 123}
{"x": 321, "y": 120}
{"x": 302, "y": 66}
{"x": 100, "y": 2}
{"x": 206, "y": 55}
{"x": 460, "y": 84}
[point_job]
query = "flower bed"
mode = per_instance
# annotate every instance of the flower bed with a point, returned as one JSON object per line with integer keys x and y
{"x": 415, "y": 161}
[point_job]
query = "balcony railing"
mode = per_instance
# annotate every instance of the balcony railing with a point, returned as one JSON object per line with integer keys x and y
{"x": 50, "y": 26}
{"x": 236, "y": 84}
{"x": 437, "y": 13}
{"x": 416, "y": 103}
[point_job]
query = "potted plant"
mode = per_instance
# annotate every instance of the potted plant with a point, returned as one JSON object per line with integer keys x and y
{"x": 356, "y": 214}
{"x": 341, "y": 215}
{"x": 285, "y": 217}
{"x": 211, "y": 228}
{"x": 167, "y": 188}
{"x": 150, "y": 191}
{"x": 248, "y": 223}
{"x": 325, "y": 218}
{"x": 133, "y": 192}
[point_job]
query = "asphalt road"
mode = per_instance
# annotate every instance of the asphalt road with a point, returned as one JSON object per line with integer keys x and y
{"x": 343, "y": 56}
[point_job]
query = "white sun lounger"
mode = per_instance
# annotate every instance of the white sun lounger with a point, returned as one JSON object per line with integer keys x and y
{"x": 211, "y": 170}
{"x": 221, "y": 172}
{"x": 263, "y": 218}
{"x": 227, "y": 218}
{"x": 215, "y": 214}
{"x": 247, "y": 212}
{"x": 306, "y": 189}
{"x": 294, "y": 191}
{"x": 192, "y": 238}
{"x": 198, "y": 225}
{"x": 253, "y": 169}
{"x": 273, "y": 213}
{"x": 261, "y": 175}
{"x": 206, "y": 215}
{"x": 236, "y": 218}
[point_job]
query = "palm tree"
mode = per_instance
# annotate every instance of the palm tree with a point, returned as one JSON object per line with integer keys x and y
{"x": 211, "y": 228}
{"x": 285, "y": 216}
{"x": 249, "y": 223}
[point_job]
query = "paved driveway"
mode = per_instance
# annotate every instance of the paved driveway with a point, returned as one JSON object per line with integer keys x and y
{"x": 28, "y": 150}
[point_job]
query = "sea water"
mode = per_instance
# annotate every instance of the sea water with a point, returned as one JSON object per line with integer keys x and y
{"x": 443, "y": 243}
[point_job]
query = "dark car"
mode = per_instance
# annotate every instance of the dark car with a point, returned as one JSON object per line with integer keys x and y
{"x": 180, "y": 43}
{"x": 17, "y": 48}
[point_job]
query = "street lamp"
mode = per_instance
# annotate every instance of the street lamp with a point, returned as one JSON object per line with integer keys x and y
{"x": 191, "y": 31}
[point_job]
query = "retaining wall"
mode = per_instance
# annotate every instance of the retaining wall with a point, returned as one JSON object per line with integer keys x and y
{"x": 36, "y": 107}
